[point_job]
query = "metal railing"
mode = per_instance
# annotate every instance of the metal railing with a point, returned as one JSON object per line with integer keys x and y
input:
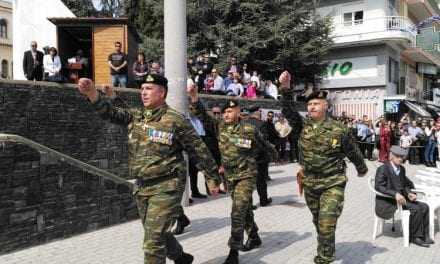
{"x": 390, "y": 24}
{"x": 429, "y": 40}
{"x": 65, "y": 158}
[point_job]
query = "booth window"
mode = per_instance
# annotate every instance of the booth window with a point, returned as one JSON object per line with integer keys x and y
{"x": 5, "y": 69}
{"x": 3, "y": 28}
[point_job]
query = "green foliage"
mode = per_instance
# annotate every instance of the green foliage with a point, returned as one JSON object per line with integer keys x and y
{"x": 268, "y": 35}
{"x": 81, "y": 8}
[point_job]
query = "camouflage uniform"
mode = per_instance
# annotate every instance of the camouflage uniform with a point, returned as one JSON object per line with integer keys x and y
{"x": 323, "y": 146}
{"x": 239, "y": 145}
{"x": 156, "y": 139}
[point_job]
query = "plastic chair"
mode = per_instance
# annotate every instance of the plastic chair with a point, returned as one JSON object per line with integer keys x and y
{"x": 379, "y": 222}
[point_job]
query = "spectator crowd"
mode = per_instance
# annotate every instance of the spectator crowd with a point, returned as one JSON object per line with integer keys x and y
{"x": 236, "y": 80}
{"x": 421, "y": 137}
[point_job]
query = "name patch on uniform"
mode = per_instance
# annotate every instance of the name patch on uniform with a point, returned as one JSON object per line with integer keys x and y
{"x": 158, "y": 136}
{"x": 242, "y": 143}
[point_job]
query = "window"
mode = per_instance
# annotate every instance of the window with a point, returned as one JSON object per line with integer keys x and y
{"x": 428, "y": 93}
{"x": 3, "y": 28}
{"x": 402, "y": 80}
{"x": 5, "y": 69}
{"x": 353, "y": 18}
{"x": 393, "y": 71}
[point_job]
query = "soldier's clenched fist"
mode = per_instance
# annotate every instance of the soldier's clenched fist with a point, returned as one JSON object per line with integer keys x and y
{"x": 86, "y": 87}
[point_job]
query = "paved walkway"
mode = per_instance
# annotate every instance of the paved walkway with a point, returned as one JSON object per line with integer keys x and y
{"x": 286, "y": 229}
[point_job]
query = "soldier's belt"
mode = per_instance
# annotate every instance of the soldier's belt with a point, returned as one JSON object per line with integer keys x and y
{"x": 151, "y": 182}
{"x": 320, "y": 174}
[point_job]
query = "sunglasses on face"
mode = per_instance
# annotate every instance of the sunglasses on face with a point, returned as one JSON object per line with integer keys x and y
{"x": 216, "y": 113}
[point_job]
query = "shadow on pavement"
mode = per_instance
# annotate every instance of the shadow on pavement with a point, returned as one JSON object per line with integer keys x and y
{"x": 281, "y": 180}
{"x": 358, "y": 252}
{"x": 203, "y": 226}
{"x": 272, "y": 242}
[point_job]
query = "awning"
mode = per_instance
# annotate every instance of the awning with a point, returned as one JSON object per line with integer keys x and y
{"x": 433, "y": 109}
{"x": 418, "y": 109}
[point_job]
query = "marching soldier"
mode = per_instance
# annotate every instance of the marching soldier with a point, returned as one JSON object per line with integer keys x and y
{"x": 157, "y": 136}
{"x": 239, "y": 144}
{"x": 323, "y": 144}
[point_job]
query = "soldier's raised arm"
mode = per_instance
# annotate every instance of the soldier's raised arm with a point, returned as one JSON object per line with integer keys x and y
{"x": 287, "y": 101}
{"x": 351, "y": 150}
{"x": 103, "y": 105}
{"x": 197, "y": 108}
{"x": 198, "y": 151}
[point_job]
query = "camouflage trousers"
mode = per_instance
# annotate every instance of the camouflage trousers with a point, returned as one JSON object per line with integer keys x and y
{"x": 242, "y": 217}
{"x": 158, "y": 213}
{"x": 326, "y": 206}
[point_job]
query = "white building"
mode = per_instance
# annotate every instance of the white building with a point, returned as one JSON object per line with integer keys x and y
{"x": 381, "y": 55}
{"x": 30, "y": 23}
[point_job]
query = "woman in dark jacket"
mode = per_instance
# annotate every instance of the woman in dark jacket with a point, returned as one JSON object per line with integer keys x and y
{"x": 140, "y": 69}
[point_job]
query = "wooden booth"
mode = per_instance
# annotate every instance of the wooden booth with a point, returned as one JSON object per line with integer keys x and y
{"x": 96, "y": 38}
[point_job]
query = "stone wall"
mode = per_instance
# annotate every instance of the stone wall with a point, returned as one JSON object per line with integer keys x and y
{"x": 42, "y": 199}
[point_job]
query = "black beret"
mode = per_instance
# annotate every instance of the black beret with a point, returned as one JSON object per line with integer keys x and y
{"x": 157, "y": 79}
{"x": 317, "y": 95}
{"x": 230, "y": 104}
{"x": 253, "y": 109}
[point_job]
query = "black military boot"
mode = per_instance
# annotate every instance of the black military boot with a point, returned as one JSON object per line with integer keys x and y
{"x": 185, "y": 259}
{"x": 265, "y": 202}
{"x": 182, "y": 222}
{"x": 253, "y": 241}
{"x": 232, "y": 257}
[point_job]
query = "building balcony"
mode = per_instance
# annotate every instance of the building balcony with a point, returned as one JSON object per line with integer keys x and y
{"x": 5, "y": 42}
{"x": 391, "y": 28}
{"x": 427, "y": 47}
{"x": 422, "y": 9}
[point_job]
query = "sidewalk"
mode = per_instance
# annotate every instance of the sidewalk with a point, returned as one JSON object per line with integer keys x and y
{"x": 285, "y": 227}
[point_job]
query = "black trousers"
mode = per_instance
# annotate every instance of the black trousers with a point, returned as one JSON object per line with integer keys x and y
{"x": 370, "y": 148}
{"x": 418, "y": 220}
{"x": 414, "y": 154}
{"x": 294, "y": 154}
{"x": 263, "y": 173}
{"x": 282, "y": 148}
{"x": 363, "y": 148}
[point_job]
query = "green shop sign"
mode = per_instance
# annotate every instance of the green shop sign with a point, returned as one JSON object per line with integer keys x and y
{"x": 344, "y": 68}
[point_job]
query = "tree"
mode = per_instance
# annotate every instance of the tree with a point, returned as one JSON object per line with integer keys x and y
{"x": 112, "y": 8}
{"x": 269, "y": 35}
{"x": 81, "y": 8}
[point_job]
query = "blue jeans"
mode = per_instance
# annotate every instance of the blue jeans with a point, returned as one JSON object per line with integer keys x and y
{"x": 119, "y": 80}
{"x": 429, "y": 150}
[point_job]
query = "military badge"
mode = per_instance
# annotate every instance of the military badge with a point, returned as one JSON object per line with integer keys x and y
{"x": 158, "y": 136}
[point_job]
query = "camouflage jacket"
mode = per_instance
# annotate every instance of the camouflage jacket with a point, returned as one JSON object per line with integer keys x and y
{"x": 156, "y": 141}
{"x": 239, "y": 143}
{"x": 323, "y": 146}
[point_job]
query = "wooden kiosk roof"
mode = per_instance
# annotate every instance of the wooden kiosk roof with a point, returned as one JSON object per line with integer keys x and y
{"x": 89, "y": 21}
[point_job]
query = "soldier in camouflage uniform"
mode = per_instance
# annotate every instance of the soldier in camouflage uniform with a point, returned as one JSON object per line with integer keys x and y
{"x": 239, "y": 144}
{"x": 323, "y": 144}
{"x": 157, "y": 136}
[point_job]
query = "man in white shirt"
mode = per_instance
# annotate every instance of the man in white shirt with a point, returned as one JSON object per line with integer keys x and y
{"x": 219, "y": 85}
{"x": 271, "y": 90}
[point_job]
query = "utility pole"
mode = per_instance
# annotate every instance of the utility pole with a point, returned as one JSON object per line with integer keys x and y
{"x": 175, "y": 60}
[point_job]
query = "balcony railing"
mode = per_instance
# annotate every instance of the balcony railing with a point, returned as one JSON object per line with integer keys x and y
{"x": 429, "y": 40}
{"x": 380, "y": 28}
